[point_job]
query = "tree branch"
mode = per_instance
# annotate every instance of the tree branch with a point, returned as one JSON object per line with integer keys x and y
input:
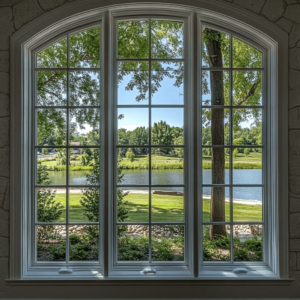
{"x": 250, "y": 93}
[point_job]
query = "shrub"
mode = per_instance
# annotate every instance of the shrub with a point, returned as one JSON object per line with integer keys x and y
{"x": 130, "y": 155}
{"x": 59, "y": 252}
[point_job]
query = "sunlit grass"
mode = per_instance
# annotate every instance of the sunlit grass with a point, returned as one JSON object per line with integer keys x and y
{"x": 165, "y": 208}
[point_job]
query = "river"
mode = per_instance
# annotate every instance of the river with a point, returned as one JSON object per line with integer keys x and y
{"x": 175, "y": 177}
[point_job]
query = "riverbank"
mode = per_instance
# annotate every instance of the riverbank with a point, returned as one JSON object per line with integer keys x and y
{"x": 159, "y": 162}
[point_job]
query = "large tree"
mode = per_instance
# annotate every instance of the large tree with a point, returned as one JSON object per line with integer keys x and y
{"x": 215, "y": 51}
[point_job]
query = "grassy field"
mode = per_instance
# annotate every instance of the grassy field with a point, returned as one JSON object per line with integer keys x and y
{"x": 165, "y": 208}
{"x": 252, "y": 161}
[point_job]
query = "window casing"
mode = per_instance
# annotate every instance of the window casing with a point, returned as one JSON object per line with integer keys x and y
{"x": 106, "y": 266}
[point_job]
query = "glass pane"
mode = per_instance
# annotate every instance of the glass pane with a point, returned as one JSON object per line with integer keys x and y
{"x": 167, "y": 166}
{"x": 133, "y": 83}
{"x": 84, "y": 205}
{"x": 221, "y": 205}
{"x": 84, "y": 242}
{"x": 215, "y": 165}
{"x": 51, "y": 205}
{"x": 133, "y": 121}
{"x": 84, "y": 166}
{"x": 133, "y": 39}
{"x": 215, "y": 88}
{"x": 54, "y": 56}
{"x": 51, "y": 127}
{"x": 216, "y": 247}
{"x": 133, "y": 166}
{"x": 215, "y": 48}
{"x": 51, "y": 88}
{"x": 248, "y": 242}
{"x": 167, "y": 242}
{"x": 215, "y": 127}
{"x": 247, "y": 127}
{"x": 167, "y": 126}
{"x": 247, "y": 88}
{"x": 247, "y": 166}
{"x": 247, "y": 204}
{"x": 133, "y": 204}
{"x": 133, "y": 243}
{"x": 85, "y": 126}
{"x": 85, "y": 48}
{"x": 51, "y": 242}
{"x": 51, "y": 166}
{"x": 167, "y": 204}
{"x": 166, "y": 39}
{"x": 245, "y": 56}
{"x": 167, "y": 83}
{"x": 84, "y": 88}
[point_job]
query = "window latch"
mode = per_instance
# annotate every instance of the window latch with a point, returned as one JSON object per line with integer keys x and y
{"x": 240, "y": 270}
{"x": 65, "y": 271}
{"x": 149, "y": 270}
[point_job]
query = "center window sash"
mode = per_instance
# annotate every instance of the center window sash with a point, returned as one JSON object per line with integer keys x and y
{"x": 151, "y": 89}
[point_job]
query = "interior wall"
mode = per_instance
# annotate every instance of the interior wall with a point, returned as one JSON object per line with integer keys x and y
{"x": 14, "y": 14}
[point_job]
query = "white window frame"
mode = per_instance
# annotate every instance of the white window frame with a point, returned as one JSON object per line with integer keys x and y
{"x": 68, "y": 17}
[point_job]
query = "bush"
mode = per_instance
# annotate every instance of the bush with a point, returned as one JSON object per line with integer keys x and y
{"x": 59, "y": 252}
{"x": 130, "y": 155}
{"x": 74, "y": 239}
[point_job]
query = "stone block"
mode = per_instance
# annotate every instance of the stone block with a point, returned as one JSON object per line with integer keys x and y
{"x": 294, "y": 186}
{"x": 3, "y": 189}
{"x": 295, "y": 225}
{"x": 4, "y": 105}
{"x": 6, "y": 30}
{"x": 5, "y": 15}
{"x": 298, "y": 261}
{"x": 293, "y": 261}
{"x": 6, "y": 201}
{"x": 48, "y": 5}
{"x": 9, "y": 2}
{"x": 26, "y": 11}
{"x": 294, "y": 165}
{"x": 292, "y": 13}
{"x": 4, "y": 132}
{"x": 273, "y": 9}
{"x": 285, "y": 24}
{"x": 4, "y": 83}
{"x": 252, "y": 5}
{"x": 294, "y": 141}
{"x": 4, "y": 61}
{"x": 4, "y": 267}
{"x": 4, "y": 247}
{"x": 294, "y": 118}
{"x": 4, "y": 162}
{"x": 4, "y": 223}
{"x": 292, "y": 1}
{"x": 294, "y": 206}
{"x": 294, "y": 58}
{"x": 294, "y": 35}
{"x": 294, "y": 83}
{"x": 295, "y": 244}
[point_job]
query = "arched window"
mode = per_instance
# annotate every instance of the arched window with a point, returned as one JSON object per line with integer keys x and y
{"x": 151, "y": 146}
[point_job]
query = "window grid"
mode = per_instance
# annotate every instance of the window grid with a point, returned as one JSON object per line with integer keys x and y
{"x": 231, "y": 146}
{"x": 67, "y": 147}
{"x": 149, "y": 106}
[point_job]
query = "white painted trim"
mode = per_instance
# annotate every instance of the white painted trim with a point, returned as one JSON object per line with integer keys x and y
{"x": 80, "y": 13}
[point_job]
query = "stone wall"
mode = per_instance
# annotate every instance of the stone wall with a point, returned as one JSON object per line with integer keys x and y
{"x": 286, "y": 15}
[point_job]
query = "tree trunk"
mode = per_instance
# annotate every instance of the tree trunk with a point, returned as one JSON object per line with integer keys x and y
{"x": 217, "y": 209}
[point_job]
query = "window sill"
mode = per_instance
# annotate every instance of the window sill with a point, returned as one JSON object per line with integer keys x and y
{"x": 121, "y": 282}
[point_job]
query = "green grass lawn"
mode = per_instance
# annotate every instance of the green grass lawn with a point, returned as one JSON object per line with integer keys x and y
{"x": 165, "y": 208}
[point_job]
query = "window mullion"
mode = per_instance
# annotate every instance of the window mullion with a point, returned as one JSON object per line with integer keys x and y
{"x": 105, "y": 145}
